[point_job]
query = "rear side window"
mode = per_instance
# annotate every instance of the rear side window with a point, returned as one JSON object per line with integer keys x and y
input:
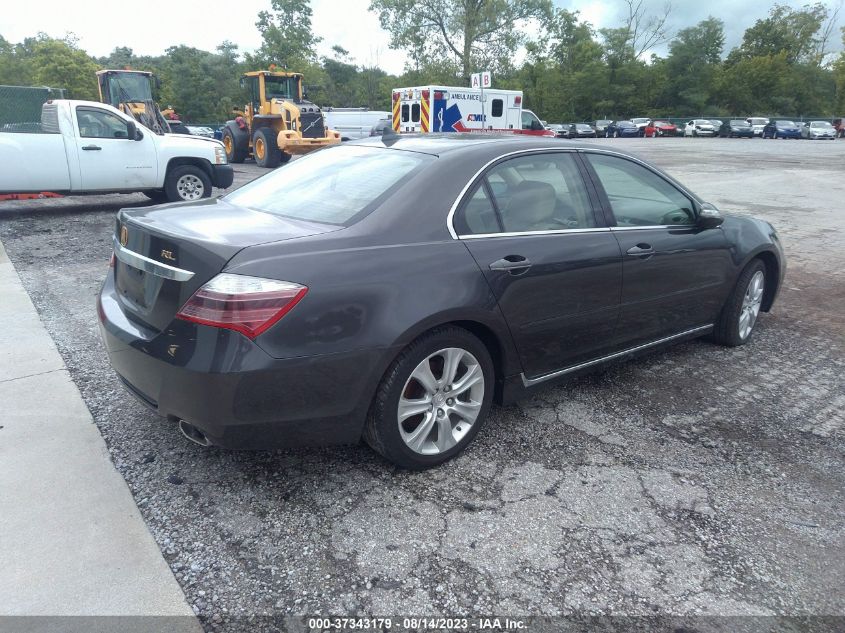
{"x": 405, "y": 112}
{"x": 540, "y": 192}
{"x": 333, "y": 186}
{"x": 415, "y": 113}
{"x": 638, "y": 196}
{"x": 498, "y": 107}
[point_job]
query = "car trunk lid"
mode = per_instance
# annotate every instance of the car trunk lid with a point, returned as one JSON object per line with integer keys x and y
{"x": 164, "y": 254}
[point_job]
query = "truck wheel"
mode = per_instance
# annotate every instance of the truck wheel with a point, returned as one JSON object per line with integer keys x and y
{"x": 285, "y": 157}
{"x": 265, "y": 150}
{"x": 156, "y": 195}
{"x": 187, "y": 182}
{"x": 234, "y": 154}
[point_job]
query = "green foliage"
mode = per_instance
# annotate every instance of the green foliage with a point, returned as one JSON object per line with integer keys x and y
{"x": 288, "y": 40}
{"x": 570, "y": 72}
{"x": 474, "y": 34}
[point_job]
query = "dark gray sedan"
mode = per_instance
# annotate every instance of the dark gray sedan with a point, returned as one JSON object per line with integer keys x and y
{"x": 392, "y": 289}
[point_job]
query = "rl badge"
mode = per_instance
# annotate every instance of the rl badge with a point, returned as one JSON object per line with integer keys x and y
{"x": 165, "y": 254}
{"x": 124, "y": 235}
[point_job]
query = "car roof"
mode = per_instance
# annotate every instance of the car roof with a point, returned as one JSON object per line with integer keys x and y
{"x": 453, "y": 143}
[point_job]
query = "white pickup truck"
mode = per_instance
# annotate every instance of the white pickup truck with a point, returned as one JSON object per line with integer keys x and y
{"x": 88, "y": 147}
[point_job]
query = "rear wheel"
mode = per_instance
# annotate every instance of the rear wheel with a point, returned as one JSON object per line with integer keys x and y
{"x": 739, "y": 315}
{"x": 433, "y": 399}
{"x": 234, "y": 153}
{"x": 187, "y": 182}
{"x": 264, "y": 148}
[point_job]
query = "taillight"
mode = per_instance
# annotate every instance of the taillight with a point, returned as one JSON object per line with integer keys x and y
{"x": 249, "y": 305}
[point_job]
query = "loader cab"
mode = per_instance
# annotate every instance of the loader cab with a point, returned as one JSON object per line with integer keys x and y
{"x": 264, "y": 86}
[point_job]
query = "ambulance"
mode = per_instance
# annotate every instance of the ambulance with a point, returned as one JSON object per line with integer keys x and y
{"x": 424, "y": 109}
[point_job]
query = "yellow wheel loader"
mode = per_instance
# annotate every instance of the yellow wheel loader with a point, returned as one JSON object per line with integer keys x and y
{"x": 131, "y": 92}
{"x": 278, "y": 121}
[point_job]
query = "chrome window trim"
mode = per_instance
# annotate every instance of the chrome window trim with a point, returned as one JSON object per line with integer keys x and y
{"x": 652, "y": 226}
{"x": 528, "y": 382}
{"x": 476, "y": 236}
{"x": 131, "y": 258}
{"x": 550, "y": 150}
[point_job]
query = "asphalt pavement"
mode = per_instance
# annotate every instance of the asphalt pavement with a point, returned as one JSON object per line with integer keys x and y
{"x": 698, "y": 480}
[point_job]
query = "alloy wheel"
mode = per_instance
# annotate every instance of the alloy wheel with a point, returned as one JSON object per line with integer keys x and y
{"x": 751, "y": 301}
{"x": 190, "y": 187}
{"x": 441, "y": 401}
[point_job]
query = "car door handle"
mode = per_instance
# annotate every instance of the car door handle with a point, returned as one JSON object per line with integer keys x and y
{"x": 513, "y": 264}
{"x": 91, "y": 148}
{"x": 641, "y": 250}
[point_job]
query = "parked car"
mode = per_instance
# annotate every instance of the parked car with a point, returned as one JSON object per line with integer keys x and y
{"x": 660, "y": 128}
{"x": 353, "y": 123}
{"x": 736, "y": 128}
{"x": 621, "y": 128}
{"x": 600, "y": 126}
{"x": 581, "y": 130}
{"x": 818, "y": 130}
{"x": 561, "y": 130}
{"x": 641, "y": 123}
{"x": 86, "y": 147}
{"x": 699, "y": 127}
{"x": 757, "y": 124}
{"x": 781, "y": 129}
{"x": 200, "y": 130}
{"x": 381, "y": 125}
{"x": 308, "y": 306}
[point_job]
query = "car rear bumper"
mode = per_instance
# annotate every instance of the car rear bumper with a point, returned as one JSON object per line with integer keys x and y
{"x": 222, "y": 176}
{"x": 236, "y": 394}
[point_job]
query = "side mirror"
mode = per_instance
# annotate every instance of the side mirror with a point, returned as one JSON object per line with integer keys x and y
{"x": 709, "y": 216}
{"x": 131, "y": 131}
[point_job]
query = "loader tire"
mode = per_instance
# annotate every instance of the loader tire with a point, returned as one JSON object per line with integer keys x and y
{"x": 265, "y": 150}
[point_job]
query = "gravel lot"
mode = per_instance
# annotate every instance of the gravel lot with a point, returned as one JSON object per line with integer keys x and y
{"x": 699, "y": 480}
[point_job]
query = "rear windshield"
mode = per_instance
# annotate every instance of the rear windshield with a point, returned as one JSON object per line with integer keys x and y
{"x": 820, "y": 124}
{"x": 740, "y": 123}
{"x": 785, "y": 124}
{"x": 332, "y": 186}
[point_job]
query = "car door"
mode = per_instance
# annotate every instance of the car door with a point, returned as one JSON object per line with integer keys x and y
{"x": 108, "y": 158}
{"x": 553, "y": 266}
{"x": 674, "y": 272}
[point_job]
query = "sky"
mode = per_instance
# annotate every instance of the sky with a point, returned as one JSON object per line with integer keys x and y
{"x": 205, "y": 24}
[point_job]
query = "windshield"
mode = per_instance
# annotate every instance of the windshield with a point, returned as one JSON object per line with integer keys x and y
{"x": 820, "y": 124}
{"x": 582, "y": 126}
{"x": 703, "y": 122}
{"x": 740, "y": 123}
{"x": 785, "y": 124}
{"x": 640, "y": 120}
{"x": 128, "y": 87}
{"x": 281, "y": 87}
{"x": 758, "y": 121}
{"x": 331, "y": 186}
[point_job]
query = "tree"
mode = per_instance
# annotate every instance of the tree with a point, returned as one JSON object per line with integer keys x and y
{"x": 793, "y": 32}
{"x": 475, "y": 34}
{"x": 693, "y": 59}
{"x": 639, "y": 33}
{"x": 288, "y": 40}
{"x": 59, "y": 64}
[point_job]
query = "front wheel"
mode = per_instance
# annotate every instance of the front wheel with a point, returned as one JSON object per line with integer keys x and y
{"x": 739, "y": 315}
{"x": 187, "y": 182}
{"x": 264, "y": 148}
{"x": 433, "y": 399}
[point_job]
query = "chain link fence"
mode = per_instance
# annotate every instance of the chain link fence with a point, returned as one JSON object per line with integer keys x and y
{"x": 20, "y": 107}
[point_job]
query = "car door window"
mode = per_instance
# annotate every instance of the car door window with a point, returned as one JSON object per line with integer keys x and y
{"x": 540, "y": 192}
{"x": 94, "y": 123}
{"x": 639, "y": 197}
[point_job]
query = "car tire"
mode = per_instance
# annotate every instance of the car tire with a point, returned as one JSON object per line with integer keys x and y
{"x": 395, "y": 438}
{"x": 156, "y": 195}
{"x": 265, "y": 150}
{"x": 729, "y": 329}
{"x": 235, "y": 153}
{"x": 186, "y": 183}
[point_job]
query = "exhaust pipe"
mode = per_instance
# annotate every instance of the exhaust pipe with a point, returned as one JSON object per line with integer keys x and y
{"x": 193, "y": 433}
